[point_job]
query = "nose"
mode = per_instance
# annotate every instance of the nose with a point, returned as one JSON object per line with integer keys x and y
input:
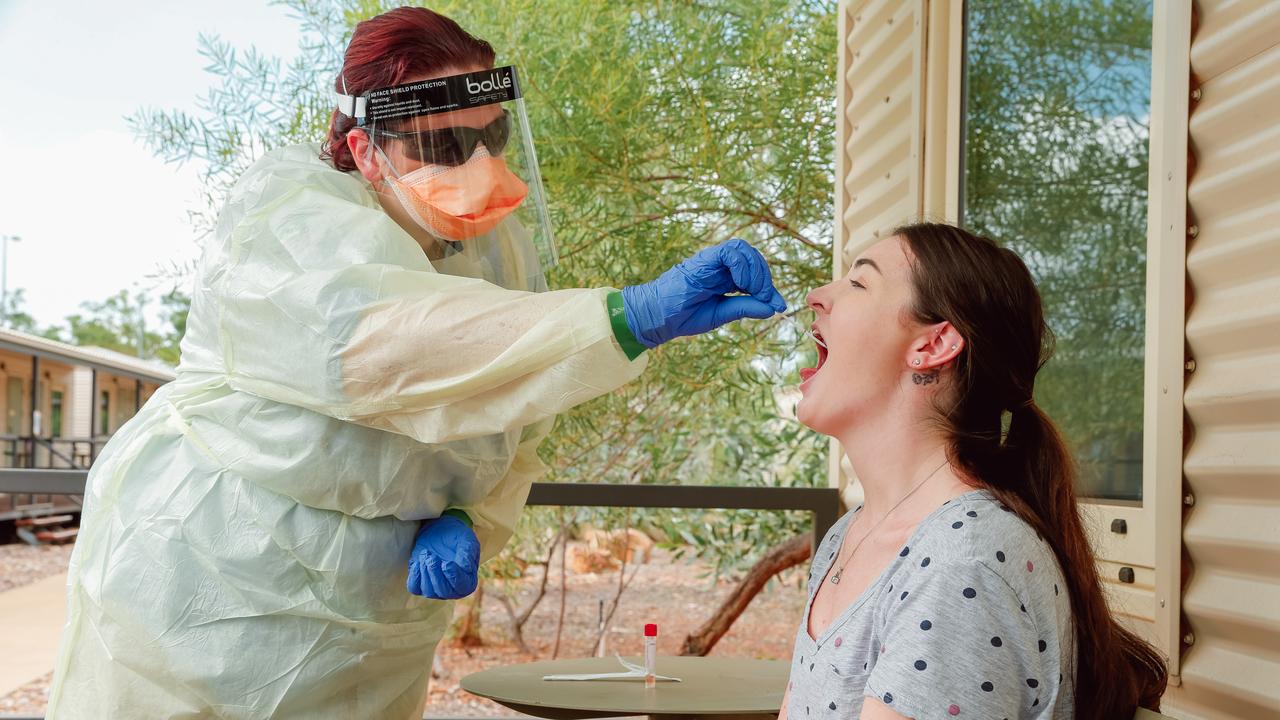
{"x": 819, "y": 299}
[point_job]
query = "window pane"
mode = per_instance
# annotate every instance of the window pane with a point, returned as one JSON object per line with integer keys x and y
{"x": 55, "y": 414}
{"x": 104, "y": 419}
{"x": 1057, "y": 98}
{"x": 13, "y": 407}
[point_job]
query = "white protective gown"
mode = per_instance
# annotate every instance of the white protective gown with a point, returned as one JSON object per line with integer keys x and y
{"x": 245, "y": 538}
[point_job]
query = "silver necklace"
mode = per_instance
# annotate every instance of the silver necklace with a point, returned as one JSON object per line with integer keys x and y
{"x": 835, "y": 579}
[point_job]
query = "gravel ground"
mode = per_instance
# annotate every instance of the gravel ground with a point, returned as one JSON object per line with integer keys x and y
{"x": 677, "y": 595}
{"x": 30, "y": 699}
{"x": 21, "y": 564}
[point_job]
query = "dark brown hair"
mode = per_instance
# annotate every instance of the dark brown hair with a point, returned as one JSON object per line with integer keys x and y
{"x": 389, "y": 50}
{"x": 987, "y": 294}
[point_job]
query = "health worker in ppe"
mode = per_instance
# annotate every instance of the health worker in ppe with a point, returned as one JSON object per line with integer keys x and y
{"x": 371, "y": 360}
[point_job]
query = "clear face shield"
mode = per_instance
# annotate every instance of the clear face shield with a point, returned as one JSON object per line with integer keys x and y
{"x": 458, "y": 156}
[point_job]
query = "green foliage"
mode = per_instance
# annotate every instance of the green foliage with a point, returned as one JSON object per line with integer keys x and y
{"x": 17, "y": 318}
{"x": 1056, "y": 165}
{"x": 176, "y": 305}
{"x": 115, "y": 324}
{"x": 661, "y": 128}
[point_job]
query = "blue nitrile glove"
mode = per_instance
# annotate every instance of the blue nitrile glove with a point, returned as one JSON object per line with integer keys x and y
{"x": 445, "y": 561}
{"x": 693, "y": 297}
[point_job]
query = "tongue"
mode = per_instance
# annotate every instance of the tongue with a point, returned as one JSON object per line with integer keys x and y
{"x": 807, "y": 373}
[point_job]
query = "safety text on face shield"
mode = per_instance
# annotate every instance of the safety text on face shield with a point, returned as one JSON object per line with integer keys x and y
{"x": 424, "y": 85}
{"x": 427, "y": 97}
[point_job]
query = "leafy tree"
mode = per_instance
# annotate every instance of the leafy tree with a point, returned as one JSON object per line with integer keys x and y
{"x": 115, "y": 323}
{"x": 176, "y": 304}
{"x": 17, "y": 318}
{"x": 661, "y": 128}
{"x": 1056, "y": 165}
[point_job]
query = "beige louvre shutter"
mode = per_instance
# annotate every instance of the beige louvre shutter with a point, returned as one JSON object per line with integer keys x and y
{"x": 898, "y": 83}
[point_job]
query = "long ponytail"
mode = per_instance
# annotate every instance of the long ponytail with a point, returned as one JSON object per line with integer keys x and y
{"x": 999, "y": 436}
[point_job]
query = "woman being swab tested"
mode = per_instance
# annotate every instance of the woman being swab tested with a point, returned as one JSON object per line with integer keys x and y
{"x": 964, "y": 586}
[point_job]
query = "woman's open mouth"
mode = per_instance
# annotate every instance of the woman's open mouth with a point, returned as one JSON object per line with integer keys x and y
{"x": 807, "y": 373}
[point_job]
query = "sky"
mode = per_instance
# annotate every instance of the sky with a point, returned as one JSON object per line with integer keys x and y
{"x": 96, "y": 212}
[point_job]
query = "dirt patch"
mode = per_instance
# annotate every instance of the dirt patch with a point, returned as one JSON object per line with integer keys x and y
{"x": 678, "y": 595}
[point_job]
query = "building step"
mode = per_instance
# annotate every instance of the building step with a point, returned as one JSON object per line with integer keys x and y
{"x": 43, "y": 521}
{"x": 57, "y": 536}
{"x": 38, "y": 512}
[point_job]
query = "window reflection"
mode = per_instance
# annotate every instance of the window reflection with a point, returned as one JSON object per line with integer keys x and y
{"x": 1057, "y": 99}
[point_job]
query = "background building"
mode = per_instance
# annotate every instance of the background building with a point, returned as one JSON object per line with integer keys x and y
{"x": 61, "y": 403}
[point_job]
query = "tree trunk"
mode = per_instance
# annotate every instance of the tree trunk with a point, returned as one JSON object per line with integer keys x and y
{"x": 519, "y": 619}
{"x": 779, "y": 558}
{"x": 564, "y": 590}
{"x": 469, "y": 630}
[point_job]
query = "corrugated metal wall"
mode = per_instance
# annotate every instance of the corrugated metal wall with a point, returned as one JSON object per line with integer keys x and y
{"x": 881, "y": 144}
{"x": 1232, "y": 533}
{"x": 879, "y": 148}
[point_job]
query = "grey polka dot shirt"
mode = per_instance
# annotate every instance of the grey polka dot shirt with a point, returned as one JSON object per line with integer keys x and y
{"x": 970, "y": 620}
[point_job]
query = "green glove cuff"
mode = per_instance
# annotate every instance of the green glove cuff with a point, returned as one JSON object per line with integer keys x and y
{"x": 460, "y": 515}
{"x": 618, "y": 319}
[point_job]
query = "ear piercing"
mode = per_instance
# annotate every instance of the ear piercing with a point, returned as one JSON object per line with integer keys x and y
{"x": 953, "y": 347}
{"x": 916, "y": 362}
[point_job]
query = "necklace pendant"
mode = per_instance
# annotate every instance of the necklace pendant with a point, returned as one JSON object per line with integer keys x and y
{"x": 835, "y": 579}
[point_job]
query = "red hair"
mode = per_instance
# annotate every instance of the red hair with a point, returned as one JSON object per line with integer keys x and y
{"x": 389, "y": 50}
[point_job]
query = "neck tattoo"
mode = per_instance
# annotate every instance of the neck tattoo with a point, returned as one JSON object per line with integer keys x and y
{"x": 835, "y": 579}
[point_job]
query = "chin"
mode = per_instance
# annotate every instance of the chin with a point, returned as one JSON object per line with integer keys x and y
{"x": 804, "y": 415}
{"x": 832, "y": 419}
{"x": 809, "y": 413}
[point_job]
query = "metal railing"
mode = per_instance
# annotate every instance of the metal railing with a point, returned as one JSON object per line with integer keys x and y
{"x": 822, "y": 503}
{"x": 21, "y": 451}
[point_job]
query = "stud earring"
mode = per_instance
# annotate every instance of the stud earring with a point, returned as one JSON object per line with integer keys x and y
{"x": 953, "y": 347}
{"x": 917, "y": 361}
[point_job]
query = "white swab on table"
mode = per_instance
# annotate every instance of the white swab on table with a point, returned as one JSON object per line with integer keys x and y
{"x": 632, "y": 671}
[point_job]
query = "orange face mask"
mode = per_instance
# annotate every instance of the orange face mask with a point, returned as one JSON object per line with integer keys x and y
{"x": 461, "y": 202}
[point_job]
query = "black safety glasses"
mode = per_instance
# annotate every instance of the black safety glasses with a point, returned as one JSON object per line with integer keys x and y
{"x": 451, "y": 145}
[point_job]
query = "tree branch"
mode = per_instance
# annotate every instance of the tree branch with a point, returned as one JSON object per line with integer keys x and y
{"x": 518, "y": 620}
{"x": 779, "y": 558}
{"x": 564, "y": 551}
{"x": 759, "y": 217}
{"x": 516, "y": 632}
{"x": 622, "y": 585}
{"x": 542, "y": 586}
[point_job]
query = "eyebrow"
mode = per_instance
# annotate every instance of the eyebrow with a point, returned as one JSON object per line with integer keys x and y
{"x": 866, "y": 261}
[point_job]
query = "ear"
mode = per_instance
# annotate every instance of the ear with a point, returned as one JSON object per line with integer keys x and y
{"x": 362, "y": 153}
{"x": 937, "y": 346}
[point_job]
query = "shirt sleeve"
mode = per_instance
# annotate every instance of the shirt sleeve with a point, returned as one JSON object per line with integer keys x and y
{"x": 957, "y": 641}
